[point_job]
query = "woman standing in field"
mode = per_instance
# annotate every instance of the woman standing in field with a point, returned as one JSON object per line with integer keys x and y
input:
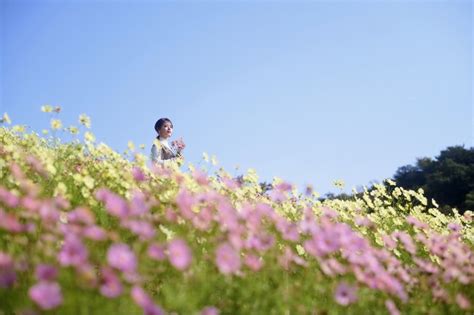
{"x": 161, "y": 150}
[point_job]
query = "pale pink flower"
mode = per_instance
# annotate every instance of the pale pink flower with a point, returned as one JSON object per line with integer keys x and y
{"x": 200, "y": 177}
{"x": 179, "y": 254}
{"x": 185, "y": 202}
{"x": 254, "y": 262}
{"x": 462, "y": 301}
{"x": 227, "y": 259}
{"x": 210, "y": 310}
{"x": 47, "y": 295}
{"x": 391, "y": 307}
{"x": 49, "y": 213}
{"x": 121, "y": 257}
{"x": 142, "y": 299}
{"x": 345, "y": 294}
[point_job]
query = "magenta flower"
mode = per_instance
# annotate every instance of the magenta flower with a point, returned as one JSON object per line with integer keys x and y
{"x": 227, "y": 259}
{"x": 46, "y": 272}
{"x": 111, "y": 286}
{"x": 121, "y": 257}
{"x": 179, "y": 254}
{"x": 73, "y": 252}
{"x": 47, "y": 295}
{"x": 345, "y": 294}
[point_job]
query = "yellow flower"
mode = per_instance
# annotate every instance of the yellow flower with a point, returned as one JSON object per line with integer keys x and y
{"x": 339, "y": 183}
{"x": 47, "y": 108}
{"x": 19, "y": 128}
{"x": 73, "y": 130}
{"x": 205, "y": 157}
{"x": 89, "y": 136}
{"x": 142, "y": 146}
{"x": 214, "y": 160}
{"x": 131, "y": 146}
{"x": 56, "y": 124}
{"x": 89, "y": 182}
{"x": 85, "y": 120}
{"x": 5, "y": 119}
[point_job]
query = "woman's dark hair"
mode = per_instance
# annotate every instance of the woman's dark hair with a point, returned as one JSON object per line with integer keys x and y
{"x": 159, "y": 123}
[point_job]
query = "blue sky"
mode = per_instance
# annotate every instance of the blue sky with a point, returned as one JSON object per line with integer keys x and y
{"x": 309, "y": 91}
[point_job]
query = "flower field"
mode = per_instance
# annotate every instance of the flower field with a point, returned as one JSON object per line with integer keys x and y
{"x": 86, "y": 230}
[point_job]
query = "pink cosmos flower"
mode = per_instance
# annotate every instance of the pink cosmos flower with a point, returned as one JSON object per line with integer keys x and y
{"x": 10, "y": 222}
{"x": 210, "y": 310}
{"x": 254, "y": 262}
{"x": 73, "y": 252}
{"x": 81, "y": 215}
{"x": 137, "y": 174}
{"x": 157, "y": 252}
{"x": 345, "y": 294}
{"x": 200, "y": 177}
{"x": 179, "y": 254}
{"x": 121, "y": 257}
{"x": 138, "y": 204}
{"x": 115, "y": 204}
{"x": 46, "y": 272}
{"x": 111, "y": 286}
{"x": 141, "y": 228}
{"x": 142, "y": 299}
{"x": 462, "y": 301}
{"x": 8, "y": 198}
{"x": 7, "y": 271}
{"x": 185, "y": 202}
{"x": 227, "y": 259}
{"x": 49, "y": 213}
{"x": 47, "y": 295}
{"x": 391, "y": 307}
{"x": 95, "y": 233}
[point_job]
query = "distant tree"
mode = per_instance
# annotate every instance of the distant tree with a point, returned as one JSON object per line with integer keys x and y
{"x": 449, "y": 179}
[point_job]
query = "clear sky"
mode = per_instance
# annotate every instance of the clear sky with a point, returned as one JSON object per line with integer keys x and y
{"x": 309, "y": 91}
